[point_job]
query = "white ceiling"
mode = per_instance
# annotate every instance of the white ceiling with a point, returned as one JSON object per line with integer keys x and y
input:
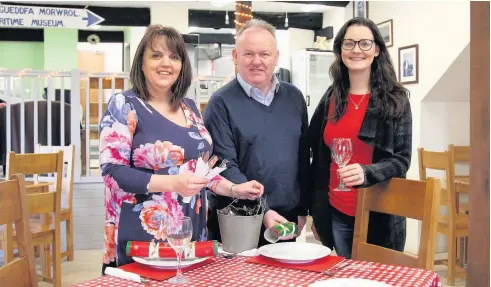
{"x": 259, "y": 6}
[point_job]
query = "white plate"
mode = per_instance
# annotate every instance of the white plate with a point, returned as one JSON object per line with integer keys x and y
{"x": 349, "y": 282}
{"x": 294, "y": 252}
{"x": 168, "y": 263}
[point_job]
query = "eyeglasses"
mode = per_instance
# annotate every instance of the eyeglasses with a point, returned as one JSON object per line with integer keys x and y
{"x": 364, "y": 44}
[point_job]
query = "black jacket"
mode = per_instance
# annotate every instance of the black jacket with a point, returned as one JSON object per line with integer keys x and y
{"x": 392, "y": 142}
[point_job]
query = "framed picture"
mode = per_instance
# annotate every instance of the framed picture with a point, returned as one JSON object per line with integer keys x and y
{"x": 360, "y": 9}
{"x": 386, "y": 29}
{"x": 408, "y": 64}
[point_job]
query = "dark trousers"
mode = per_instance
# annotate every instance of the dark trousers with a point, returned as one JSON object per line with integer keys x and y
{"x": 343, "y": 227}
{"x": 214, "y": 229}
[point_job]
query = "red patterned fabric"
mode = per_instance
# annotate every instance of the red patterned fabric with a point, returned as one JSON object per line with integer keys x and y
{"x": 237, "y": 272}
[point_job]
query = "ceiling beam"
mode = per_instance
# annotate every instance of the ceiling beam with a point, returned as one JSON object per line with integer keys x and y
{"x": 216, "y": 19}
{"x": 325, "y": 3}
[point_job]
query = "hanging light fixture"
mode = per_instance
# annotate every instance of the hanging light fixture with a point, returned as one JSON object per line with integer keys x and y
{"x": 226, "y": 18}
{"x": 286, "y": 20}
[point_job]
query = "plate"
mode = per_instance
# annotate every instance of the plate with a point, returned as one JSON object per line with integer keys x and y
{"x": 294, "y": 252}
{"x": 349, "y": 282}
{"x": 168, "y": 263}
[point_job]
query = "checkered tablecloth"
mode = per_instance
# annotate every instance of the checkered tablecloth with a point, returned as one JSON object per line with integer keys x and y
{"x": 236, "y": 272}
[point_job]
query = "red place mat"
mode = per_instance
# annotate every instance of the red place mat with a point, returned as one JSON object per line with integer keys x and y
{"x": 160, "y": 274}
{"x": 319, "y": 265}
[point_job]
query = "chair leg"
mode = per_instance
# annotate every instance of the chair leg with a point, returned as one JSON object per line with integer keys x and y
{"x": 459, "y": 259}
{"x": 452, "y": 258}
{"x": 69, "y": 238}
{"x": 47, "y": 261}
{"x": 57, "y": 259}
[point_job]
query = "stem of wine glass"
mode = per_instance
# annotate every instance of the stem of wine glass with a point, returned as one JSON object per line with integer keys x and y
{"x": 179, "y": 254}
{"x": 341, "y": 182}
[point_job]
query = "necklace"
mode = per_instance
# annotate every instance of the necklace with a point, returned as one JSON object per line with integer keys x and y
{"x": 358, "y": 105}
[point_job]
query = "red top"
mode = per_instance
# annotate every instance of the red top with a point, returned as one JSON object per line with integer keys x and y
{"x": 348, "y": 127}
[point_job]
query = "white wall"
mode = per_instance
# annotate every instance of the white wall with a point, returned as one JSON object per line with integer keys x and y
{"x": 335, "y": 17}
{"x": 283, "y": 43}
{"x": 424, "y": 24}
{"x": 133, "y": 36}
{"x": 296, "y": 39}
{"x": 173, "y": 14}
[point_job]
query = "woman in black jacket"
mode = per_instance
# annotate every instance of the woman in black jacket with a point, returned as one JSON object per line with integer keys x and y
{"x": 366, "y": 104}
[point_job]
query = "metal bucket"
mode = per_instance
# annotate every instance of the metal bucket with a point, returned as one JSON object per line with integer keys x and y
{"x": 240, "y": 233}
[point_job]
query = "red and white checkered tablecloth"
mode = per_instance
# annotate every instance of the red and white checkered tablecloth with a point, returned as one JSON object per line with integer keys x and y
{"x": 236, "y": 272}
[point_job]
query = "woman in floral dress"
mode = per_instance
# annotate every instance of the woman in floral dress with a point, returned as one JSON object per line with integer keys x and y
{"x": 150, "y": 139}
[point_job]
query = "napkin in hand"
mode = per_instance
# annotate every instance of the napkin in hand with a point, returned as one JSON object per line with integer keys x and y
{"x": 202, "y": 169}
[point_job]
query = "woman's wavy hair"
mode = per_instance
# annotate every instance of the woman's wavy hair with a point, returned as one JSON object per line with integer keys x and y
{"x": 175, "y": 43}
{"x": 389, "y": 97}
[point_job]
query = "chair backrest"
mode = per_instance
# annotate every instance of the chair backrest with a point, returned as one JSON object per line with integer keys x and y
{"x": 68, "y": 168}
{"x": 440, "y": 160}
{"x": 409, "y": 198}
{"x": 40, "y": 163}
{"x": 21, "y": 271}
{"x": 461, "y": 155}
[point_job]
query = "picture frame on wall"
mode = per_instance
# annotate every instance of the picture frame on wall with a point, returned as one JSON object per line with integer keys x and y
{"x": 360, "y": 9}
{"x": 386, "y": 29}
{"x": 409, "y": 64}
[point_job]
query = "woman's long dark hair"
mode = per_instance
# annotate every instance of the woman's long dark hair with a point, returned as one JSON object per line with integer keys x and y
{"x": 389, "y": 97}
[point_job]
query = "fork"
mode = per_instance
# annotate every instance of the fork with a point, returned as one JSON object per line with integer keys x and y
{"x": 331, "y": 273}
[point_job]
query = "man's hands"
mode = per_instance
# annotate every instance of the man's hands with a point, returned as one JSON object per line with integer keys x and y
{"x": 271, "y": 218}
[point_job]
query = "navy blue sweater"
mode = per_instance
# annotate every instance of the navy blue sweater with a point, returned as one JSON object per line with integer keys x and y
{"x": 263, "y": 143}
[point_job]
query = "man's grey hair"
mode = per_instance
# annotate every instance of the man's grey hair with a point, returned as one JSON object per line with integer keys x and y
{"x": 256, "y": 23}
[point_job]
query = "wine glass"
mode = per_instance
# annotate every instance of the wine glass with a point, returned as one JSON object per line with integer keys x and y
{"x": 179, "y": 233}
{"x": 341, "y": 151}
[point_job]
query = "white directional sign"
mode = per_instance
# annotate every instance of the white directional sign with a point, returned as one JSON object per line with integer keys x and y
{"x": 46, "y": 17}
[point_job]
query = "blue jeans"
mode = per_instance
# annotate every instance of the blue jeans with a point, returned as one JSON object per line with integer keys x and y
{"x": 342, "y": 230}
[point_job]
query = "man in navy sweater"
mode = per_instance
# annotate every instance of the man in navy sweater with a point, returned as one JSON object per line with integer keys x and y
{"x": 259, "y": 125}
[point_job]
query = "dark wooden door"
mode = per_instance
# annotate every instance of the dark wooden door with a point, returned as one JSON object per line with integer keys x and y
{"x": 478, "y": 261}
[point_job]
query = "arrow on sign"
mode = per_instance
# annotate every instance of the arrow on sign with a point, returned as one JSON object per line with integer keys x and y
{"x": 47, "y": 17}
{"x": 92, "y": 18}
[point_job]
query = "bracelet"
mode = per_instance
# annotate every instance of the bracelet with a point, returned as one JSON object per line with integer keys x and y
{"x": 231, "y": 192}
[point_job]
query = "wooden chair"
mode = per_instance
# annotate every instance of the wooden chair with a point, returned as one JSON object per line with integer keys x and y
{"x": 20, "y": 272}
{"x": 409, "y": 198}
{"x": 47, "y": 203}
{"x": 454, "y": 224}
{"x": 460, "y": 154}
{"x": 67, "y": 191}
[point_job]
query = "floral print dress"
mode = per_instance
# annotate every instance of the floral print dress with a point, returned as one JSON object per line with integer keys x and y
{"x": 137, "y": 141}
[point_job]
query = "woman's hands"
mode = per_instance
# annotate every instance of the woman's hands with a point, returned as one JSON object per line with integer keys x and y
{"x": 185, "y": 184}
{"x": 352, "y": 175}
{"x": 247, "y": 190}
